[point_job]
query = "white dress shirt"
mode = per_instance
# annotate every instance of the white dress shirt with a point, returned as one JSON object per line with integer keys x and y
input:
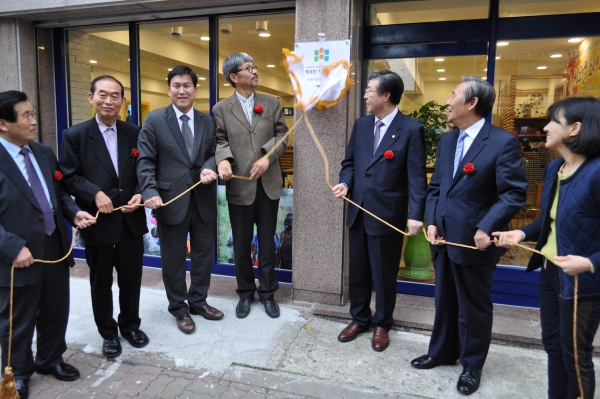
{"x": 472, "y": 132}
{"x": 387, "y": 121}
{"x": 109, "y": 134}
{"x": 190, "y": 115}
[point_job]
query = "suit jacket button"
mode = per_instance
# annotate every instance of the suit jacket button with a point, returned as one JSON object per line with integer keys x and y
{"x": 120, "y": 189}
{"x": 187, "y": 186}
{"x": 41, "y": 220}
{"x": 252, "y": 135}
{"x": 256, "y": 153}
{"x": 449, "y": 198}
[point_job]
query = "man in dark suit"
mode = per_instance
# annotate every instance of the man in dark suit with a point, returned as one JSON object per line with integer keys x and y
{"x": 384, "y": 172}
{"x": 32, "y": 205}
{"x": 177, "y": 148}
{"x": 98, "y": 163}
{"x": 477, "y": 187}
{"x": 248, "y": 126}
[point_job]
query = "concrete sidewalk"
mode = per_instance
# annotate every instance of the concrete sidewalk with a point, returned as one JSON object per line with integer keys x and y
{"x": 294, "y": 356}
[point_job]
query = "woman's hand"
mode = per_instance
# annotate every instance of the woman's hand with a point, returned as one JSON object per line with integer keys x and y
{"x": 508, "y": 239}
{"x": 572, "y": 264}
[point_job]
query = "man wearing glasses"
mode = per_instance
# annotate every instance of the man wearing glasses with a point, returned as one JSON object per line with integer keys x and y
{"x": 248, "y": 126}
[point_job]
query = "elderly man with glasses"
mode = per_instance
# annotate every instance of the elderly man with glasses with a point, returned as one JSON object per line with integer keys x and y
{"x": 248, "y": 126}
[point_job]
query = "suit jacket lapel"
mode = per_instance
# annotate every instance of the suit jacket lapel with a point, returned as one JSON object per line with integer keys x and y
{"x": 101, "y": 151}
{"x": 42, "y": 161}
{"x": 198, "y": 132}
{"x": 11, "y": 170}
{"x": 171, "y": 119}
{"x": 391, "y": 134}
{"x": 474, "y": 149}
{"x": 368, "y": 133}
{"x": 122, "y": 149}
{"x": 238, "y": 111}
{"x": 256, "y": 117}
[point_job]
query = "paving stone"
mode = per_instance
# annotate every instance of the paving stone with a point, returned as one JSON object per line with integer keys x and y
{"x": 213, "y": 388}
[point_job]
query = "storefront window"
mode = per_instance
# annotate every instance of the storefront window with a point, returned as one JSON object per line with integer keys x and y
{"x": 530, "y": 76}
{"x": 410, "y": 11}
{"x": 263, "y": 37}
{"x": 168, "y": 44}
{"x": 94, "y": 52}
{"x": 519, "y": 8}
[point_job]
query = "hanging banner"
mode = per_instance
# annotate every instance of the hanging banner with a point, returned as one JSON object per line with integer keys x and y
{"x": 583, "y": 69}
{"x": 319, "y": 72}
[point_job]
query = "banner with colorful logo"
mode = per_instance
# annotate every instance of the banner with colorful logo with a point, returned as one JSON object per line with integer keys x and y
{"x": 583, "y": 69}
{"x": 319, "y": 72}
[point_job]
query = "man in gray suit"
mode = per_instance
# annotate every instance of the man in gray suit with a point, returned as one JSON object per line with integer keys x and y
{"x": 248, "y": 126}
{"x": 177, "y": 148}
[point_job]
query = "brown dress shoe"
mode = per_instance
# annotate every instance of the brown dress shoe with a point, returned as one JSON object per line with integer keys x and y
{"x": 351, "y": 332}
{"x": 380, "y": 339}
{"x": 208, "y": 312}
{"x": 185, "y": 323}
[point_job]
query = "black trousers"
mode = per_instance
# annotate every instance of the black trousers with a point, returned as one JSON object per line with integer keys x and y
{"x": 173, "y": 251}
{"x": 42, "y": 307}
{"x": 377, "y": 259}
{"x": 263, "y": 212}
{"x": 557, "y": 337}
{"x": 126, "y": 257}
{"x": 462, "y": 327}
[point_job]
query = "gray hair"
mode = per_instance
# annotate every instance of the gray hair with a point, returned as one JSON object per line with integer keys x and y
{"x": 484, "y": 92}
{"x": 232, "y": 64}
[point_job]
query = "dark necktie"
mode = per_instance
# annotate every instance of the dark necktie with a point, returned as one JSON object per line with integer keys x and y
{"x": 188, "y": 137}
{"x": 377, "y": 136}
{"x": 460, "y": 144}
{"x": 38, "y": 192}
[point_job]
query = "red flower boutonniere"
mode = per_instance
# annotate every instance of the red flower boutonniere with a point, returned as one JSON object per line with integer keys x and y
{"x": 388, "y": 154}
{"x": 258, "y": 109}
{"x": 58, "y": 175}
{"x": 134, "y": 153}
{"x": 469, "y": 169}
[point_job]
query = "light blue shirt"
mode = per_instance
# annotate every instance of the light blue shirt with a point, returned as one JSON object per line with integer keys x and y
{"x": 387, "y": 121}
{"x": 247, "y": 105}
{"x": 15, "y": 152}
{"x": 190, "y": 114}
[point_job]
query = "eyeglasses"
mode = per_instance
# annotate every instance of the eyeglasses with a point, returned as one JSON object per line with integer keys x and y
{"x": 248, "y": 68}
{"x": 368, "y": 91}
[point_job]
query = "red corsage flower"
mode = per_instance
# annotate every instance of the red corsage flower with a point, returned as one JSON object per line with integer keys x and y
{"x": 134, "y": 153}
{"x": 469, "y": 169}
{"x": 258, "y": 109}
{"x": 389, "y": 155}
{"x": 58, "y": 175}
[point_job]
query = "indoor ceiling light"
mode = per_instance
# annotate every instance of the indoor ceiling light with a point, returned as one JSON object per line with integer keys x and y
{"x": 225, "y": 84}
{"x": 441, "y": 70}
{"x": 201, "y": 78}
{"x": 169, "y": 69}
{"x": 205, "y": 38}
{"x": 484, "y": 78}
{"x": 270, "y": 66}
{"x": 262, "y": 26}
{"x": 556, "y": 55}
{"x": 575, "y": 40}
{"x": 442, "y": 78}
{"x": 177, "y": 32}
{"x": 497, "y": 57}
{"x": 264, "y": 34}
{"x": 93, "y": 62}
{"x": 226, "y": 29}
{"x": 485, "y": 70}
{"x": 439, "y": 59}
{"x": 542, "y": 67}
{"x": 502, "y": 44}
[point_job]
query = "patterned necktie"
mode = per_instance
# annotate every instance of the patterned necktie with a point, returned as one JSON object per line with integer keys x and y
{"x": 188, "y": 137}
{"x": 38, "y": 192}
{"x": 377, "y": 136}
{"x": 460, "y": 144}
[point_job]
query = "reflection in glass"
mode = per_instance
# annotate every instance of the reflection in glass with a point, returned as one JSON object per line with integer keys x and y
{"x": 519, "y": 8}
{"x": 165, "y": 45}
{"x": 94, "y": 52}
{"x": 411, "y": 11}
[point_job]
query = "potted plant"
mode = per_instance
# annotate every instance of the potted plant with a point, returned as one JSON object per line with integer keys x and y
{"x": 434, "y": 118}
{"x": 524, "y": 110}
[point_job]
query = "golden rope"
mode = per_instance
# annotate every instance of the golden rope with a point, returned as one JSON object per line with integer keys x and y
{"x": 8, "y": 390}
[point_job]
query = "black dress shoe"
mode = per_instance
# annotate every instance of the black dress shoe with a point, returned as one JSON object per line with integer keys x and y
{"x": 468, "y": 382}
{"x": 243, "y": 307}
{"x": 425, "y": 362}
{"x": 136, "y": 338}
{"x": 271, "y": 307}
{"x": 62, "y": 371}
{"x": 23, "y": 388}
{"x": 111, "y": 347}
